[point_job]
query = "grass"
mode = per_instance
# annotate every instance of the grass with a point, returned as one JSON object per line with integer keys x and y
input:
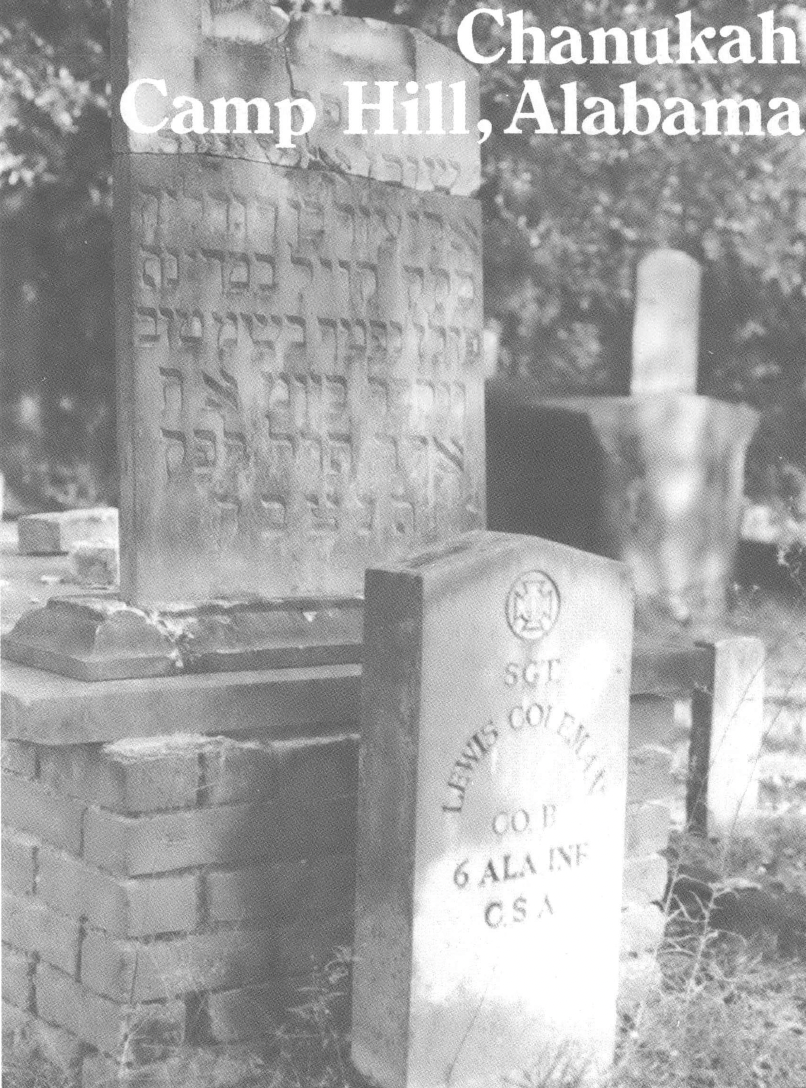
{"x": 26, "y": 1066}
{"x": 312, "y": 1050}
{"x": 731, "y": 1011}
{"x": 730, "y": 1015}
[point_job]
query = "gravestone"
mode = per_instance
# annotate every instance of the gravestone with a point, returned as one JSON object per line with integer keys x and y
{"x": 491, "y": 815}
{"x": 298, "y": 338}
{"x": 299, "y": 330}
{"x": 727, "y": 735}
{"x": 666, "y": 329}
{"x": 654, "y": 479}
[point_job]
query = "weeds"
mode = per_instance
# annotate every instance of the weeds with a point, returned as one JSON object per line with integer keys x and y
{"x": 731, "y": 1012}
{"x": 312, "y": 1050}
{"x": 26, "y": 1066}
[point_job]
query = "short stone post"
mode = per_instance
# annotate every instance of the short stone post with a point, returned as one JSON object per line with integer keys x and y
{"x": 726, "y": 736}
{"x": 491, "y": 815}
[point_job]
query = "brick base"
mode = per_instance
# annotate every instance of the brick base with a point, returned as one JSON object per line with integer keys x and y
{"x": 165, "y": 900}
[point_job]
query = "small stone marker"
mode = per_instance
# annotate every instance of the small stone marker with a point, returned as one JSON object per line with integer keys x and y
{"x": 726, "y": 736}
{"x": 55, "y": 534}
{"x": 666, "y": 331}
{"x": 491, "y": 815}
{"x": 95, "y": 564}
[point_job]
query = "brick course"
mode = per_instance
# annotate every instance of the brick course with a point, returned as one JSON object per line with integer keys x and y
{"x": 136, "y": 1033}
{"x": 223, "y": 835}
{"x": 314, "y": 888}
{"x": 144, "y": 971}
{"x": 17, "y": 982}
{"x": 31, "y": 926}
{"x": 19, "y": 857}
{"x": 146, "y": 776}
{"x": 41, "y": 813}
{"x": 168, "y": 901}
{"x": 239, "y": 771}
{"x": 126, "y": 908}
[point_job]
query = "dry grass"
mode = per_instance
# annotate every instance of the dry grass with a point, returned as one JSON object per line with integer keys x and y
{"x": 731, "y": 1015}
{"x": 312, "y": 1050}
{"x": 25, "y": 1066}
{"x": 732, "y": 1009}
{"x": 731, "y": 1012}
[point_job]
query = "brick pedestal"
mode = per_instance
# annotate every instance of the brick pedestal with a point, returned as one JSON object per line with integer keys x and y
{"x": 167, "y": 896}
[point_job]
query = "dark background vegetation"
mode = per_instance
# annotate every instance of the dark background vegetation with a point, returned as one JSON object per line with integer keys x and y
{"x": 567, "y": 219}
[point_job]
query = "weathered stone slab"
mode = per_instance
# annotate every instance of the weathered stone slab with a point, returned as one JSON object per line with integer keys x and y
{"x": 56, "y": 533}
{"x": 96, "y": 638}
{"x": 44, "y": 708}
{"x": 300, "y": 374}
{"x": 727, "y": 735}
{"x": 91, "y": 639}
{"x": 666, "y": 331}
{"x": 491, "y": 815}
{"x": 210, "y": 50}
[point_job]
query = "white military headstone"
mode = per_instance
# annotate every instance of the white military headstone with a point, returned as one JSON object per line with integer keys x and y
{"x": 491, "y": 815}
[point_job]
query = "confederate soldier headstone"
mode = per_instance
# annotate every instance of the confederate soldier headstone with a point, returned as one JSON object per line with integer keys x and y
{"x": 491, "y": 815}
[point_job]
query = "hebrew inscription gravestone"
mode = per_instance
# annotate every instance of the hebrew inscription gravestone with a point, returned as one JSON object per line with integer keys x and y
{"x": 298, "y": 330}
{"x": 298, "y": 340}
{"x": 491, "y": 815}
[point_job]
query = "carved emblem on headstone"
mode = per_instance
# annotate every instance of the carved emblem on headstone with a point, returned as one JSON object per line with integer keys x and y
{"x": 533, "y": 605}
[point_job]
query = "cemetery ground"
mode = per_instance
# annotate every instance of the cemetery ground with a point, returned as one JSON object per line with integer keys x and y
{"x": 731, "y": 1009}
{"x": 730, "y": 1013}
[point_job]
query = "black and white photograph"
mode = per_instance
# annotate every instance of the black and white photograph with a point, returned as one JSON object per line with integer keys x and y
{"x": 403, "y": 543}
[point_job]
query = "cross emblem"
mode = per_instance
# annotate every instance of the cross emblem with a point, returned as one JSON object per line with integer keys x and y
{"x": 533, "y": 605}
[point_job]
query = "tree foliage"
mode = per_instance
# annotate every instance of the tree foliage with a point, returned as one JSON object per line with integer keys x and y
{"x": 566, "y": 217}
{"x": 55, "y": 217}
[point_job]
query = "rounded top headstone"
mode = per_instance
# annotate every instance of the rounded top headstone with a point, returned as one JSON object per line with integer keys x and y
{"x": 666, "y": 330}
